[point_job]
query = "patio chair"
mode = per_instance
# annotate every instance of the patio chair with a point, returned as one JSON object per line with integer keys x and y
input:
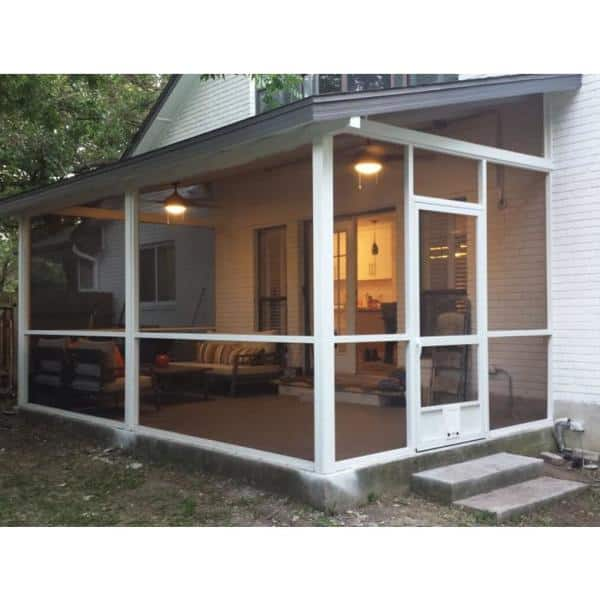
{"x": 96, "y": 374}
{"x": 50, "y": 369}
{"x": 449, "y": 364}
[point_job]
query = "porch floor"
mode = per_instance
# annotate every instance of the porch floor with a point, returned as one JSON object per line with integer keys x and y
{"x": 284, "y": 424}
{"x": 281, "y": 424}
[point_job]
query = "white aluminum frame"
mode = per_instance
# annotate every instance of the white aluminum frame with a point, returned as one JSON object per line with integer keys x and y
{"x": 476, "y": 210}
{"x": 321, "y": 136}
{"x": 412, "y": 140}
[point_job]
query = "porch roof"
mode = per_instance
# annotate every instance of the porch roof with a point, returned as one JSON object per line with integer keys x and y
{"x": 278, "y": 130}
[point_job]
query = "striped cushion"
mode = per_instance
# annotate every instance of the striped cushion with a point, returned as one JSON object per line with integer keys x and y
{"x": 223, "y": 353}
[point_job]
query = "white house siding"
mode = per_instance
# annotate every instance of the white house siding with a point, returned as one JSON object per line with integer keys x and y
{"x": 111, "y": 267}
{"x": 194, "y": 277}
{"x": 576, "y": 255}
{"x": 194, "y": 251}
{"x": 208, "y": 105}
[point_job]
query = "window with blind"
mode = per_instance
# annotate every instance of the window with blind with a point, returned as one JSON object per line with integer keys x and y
{"x": 272, "y": 280}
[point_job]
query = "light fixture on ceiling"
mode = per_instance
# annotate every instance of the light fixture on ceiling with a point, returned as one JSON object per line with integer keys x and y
{"x": 175, "y": 205}
{"x": 367, "y": 165}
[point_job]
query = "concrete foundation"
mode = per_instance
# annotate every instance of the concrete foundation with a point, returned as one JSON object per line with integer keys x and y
{"x": 331, "y": 493}
{"x": 588, "y": 413}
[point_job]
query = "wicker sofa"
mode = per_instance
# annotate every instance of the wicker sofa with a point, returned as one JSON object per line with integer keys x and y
{"x": 237, "y": 363}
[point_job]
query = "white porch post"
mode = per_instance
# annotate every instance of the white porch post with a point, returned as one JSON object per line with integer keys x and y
{"x": 324, "y": 361}
{"x": 411, "y": 296}
{"x": 23, "y": 311}
{"x": 481, "y": 297}
{"x": 131, "y": 309}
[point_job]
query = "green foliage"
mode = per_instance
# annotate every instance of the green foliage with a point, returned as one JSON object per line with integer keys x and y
{"x": 53, "y": 126}
{"x": 274, "y": 84}
{"x": 56, "y": 126}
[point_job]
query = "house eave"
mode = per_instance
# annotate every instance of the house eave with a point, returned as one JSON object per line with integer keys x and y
{"x": 176, "y": 160}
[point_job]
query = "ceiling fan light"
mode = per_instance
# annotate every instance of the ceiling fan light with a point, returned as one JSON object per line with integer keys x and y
{"x": 368, "y": 166}
{"x": 175, "y": 205}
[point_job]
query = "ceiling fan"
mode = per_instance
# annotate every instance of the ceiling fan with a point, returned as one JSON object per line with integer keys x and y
{"x": 180, "y": 199}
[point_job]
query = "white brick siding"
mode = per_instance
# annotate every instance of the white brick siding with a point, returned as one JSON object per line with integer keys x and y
{"x": 575, "y": 280}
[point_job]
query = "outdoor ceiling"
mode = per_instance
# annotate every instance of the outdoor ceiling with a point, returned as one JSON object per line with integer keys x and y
{"x": 295, "y": 123}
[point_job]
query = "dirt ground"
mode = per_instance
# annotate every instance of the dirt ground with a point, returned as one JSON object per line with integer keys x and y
{"x": 50, "y": 478}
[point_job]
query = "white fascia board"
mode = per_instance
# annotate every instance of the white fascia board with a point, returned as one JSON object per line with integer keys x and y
{"x": 445, "y": 145}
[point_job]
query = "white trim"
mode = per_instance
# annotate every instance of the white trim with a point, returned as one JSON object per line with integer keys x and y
{"x": 374, "y": 337}
{"x": 323, "y": 306}
{"x": 244, "y": 452}
{"x": 478, "y": 212}
{"x": 481, "y": 287}
{"x": 76, "y": 333}
{"x": 520, "y": 428}
{"x": 549, "y": 304}
{"x": 447, "y": 206}
{"x": 439, "y": 407}
{"x": 444, "y": 145}
{"x": 23, "y": 310}
{"x": 520, "y": 333}
{"x": 132, "y": 307}
{"x": 375, "y": 458}
{"x": 412, "y": 309}
{"x": 449, "y": 340}
{"x": 225, "y": 337}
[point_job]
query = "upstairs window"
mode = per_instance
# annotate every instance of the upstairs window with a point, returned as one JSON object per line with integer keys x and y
{"x": 310, "y": 85}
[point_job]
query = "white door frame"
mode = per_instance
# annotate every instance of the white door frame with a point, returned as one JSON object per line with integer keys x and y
{"x": 345, "y": 355}
{"x": 478, "y": 338}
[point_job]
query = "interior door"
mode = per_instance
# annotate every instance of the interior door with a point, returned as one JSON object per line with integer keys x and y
{"x": 344, "y": 290}
{"x": 449, "y": 392}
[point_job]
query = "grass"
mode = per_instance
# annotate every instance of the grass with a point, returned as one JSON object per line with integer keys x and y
{"x": 49, "y": 475}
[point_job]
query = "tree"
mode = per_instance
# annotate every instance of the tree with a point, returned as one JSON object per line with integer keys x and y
{"x": 57, "y": 126}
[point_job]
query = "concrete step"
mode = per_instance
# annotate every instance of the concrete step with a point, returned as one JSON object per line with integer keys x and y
{"x": 461, "y": 480}
{"x": 514, "y": 500}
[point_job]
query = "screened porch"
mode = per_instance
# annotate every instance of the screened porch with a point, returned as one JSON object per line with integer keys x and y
{"x": 358, "y": 292}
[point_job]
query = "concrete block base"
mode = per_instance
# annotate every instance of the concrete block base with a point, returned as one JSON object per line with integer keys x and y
{"x": 332, "y": 493}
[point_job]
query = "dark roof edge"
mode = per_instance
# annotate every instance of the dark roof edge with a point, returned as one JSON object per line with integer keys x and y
{"x": 152, "y": 114}
{"x": 429, "y": 96}
{"x": 317, "y": 108}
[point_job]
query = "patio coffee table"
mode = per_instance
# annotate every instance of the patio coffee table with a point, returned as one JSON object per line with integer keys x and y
{"x": 162, "y": 377}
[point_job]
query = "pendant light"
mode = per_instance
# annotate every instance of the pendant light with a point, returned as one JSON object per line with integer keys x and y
{"x": 374, "y": 247}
